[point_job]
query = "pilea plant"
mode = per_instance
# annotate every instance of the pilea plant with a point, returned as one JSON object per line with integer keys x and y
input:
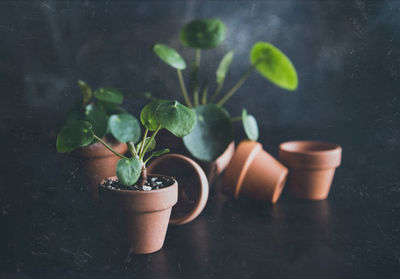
{"x": 214, "y": 131}
{"x": 102, "y": 110}
{"x": 157, "y": 115}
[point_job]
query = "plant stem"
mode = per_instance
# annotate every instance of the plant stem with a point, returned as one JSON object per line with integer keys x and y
{"x": 237, "y": 118}
{"x": 148, "y": 144}
{"x": 197, "y": 58}
{"x": 183, "y": 89}
{"x": 196, "y": 97}
{"x": 204, "y": 94}
{"x": 109, "y": 147}
{"x": 214, "y": 96}
{"x": 237, "y": 85}
{"x": 143, "y": 142}
{"x": 131, "y": 148}
{"x": 148, "y": 159}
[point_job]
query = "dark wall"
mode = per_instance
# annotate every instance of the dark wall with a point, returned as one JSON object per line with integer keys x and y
{"x": 347, "y": 54}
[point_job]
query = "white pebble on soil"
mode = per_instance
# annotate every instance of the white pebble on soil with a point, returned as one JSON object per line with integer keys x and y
{"x": 146, "y": 188}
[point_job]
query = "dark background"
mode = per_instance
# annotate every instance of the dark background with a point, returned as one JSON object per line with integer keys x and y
{"x": 347, "y": 54}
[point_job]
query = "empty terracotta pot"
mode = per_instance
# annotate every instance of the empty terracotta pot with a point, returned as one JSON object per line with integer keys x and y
{"x": 141, "y": 216}
{"x": 98, "y": 163}
{"x": 311, "y": 166}
{"x": 254, "y": 173}
{"x": 193, "y": 185}
{"x": 211, "y": 169}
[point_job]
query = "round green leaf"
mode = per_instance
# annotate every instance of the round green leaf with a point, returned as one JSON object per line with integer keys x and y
{"x": 175, "y": 117}
{"x": 212, "y": 133}
{"x": 151, "y": 146}
{"x": 98, "y": 118}
{"x": 111, "y": 95}
{"x": 112, "y": 108}
{"x": 128, "y": 170}
{"x": 203, "y": 33}
{"x": 170, "y": 56}
{"x": 147, "y": 115}
{"x": 224, "y": 67}
{"x": 250, "y": 125}
{"x": 274, "y": 65}
{"x": 73, "y": 136}
{"x": 86, "y": 92}
{"x": 124, "y": 127}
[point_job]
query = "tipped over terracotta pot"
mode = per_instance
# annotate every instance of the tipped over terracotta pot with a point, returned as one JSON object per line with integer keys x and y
{"x": 254, "y": 173}
{"x": 98, "y": 163}
{"x": 141, "y": 216}
{"x": 312, "y": 165}
{"x": 193, "y": 185}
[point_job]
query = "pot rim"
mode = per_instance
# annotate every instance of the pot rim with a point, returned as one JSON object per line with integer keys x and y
{"x": 302, "y": 147}
{"x": 131, "y": 192}
{"x": 245, "y": 164}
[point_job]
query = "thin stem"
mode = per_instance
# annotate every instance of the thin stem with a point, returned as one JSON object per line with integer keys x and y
{"x": 131, "y": 148}
{"x": 237, "y": 85}
{"x": 204, "y": 94}
{"x": 143, "y": 142}
{"x": 109, "y": 147}
{"x": 183, "y": 89}
{"x": 214, "y": 96}
{"x": 148, "y": 144}
{"x": 237, "y": 118}
{"x": 196, "y": 97}
{"x": 151, "y": 156}
{"x": 198, "y": 57}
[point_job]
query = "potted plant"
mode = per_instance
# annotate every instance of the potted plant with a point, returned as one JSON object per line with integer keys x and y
{"x": 142, "y": 201}
{"x": 114, "y": 125}
{"x": 214, "y": 130}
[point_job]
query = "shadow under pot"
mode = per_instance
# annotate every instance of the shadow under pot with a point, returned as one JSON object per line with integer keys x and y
{"x": 211, "y": 169}
{"x": 312, "y": 166}
{"x": 98, "y": 163}
{"x": 140, "y": 216}
{"x": 254, "y": 173}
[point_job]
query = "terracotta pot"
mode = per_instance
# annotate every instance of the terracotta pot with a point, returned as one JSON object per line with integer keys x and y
{"x": 193, "y": 185}
{"x": 141, "y": 216}
{"x": 312, "y": 166}
{"x": 98, "y": 163}
{"x": 211, "y": 169}
{"x": 254, "y": 173}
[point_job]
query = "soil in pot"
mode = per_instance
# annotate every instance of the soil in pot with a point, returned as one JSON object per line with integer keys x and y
{"x": 140, "y": 215}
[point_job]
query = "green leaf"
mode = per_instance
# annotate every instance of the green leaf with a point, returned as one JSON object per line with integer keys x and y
{"x": 151, "y": 146}
{"x": 86, "y": 92}
{"x": 160, "y": 152}
{"x": 274, "y": 65}
{"x": 112, "y": 108}
{"x": 145, "y": 94}
{"x": 124, "y": 127}
{"x": 74, "y": 116}
{"x": 203, "y": 33}
{"x": 212, "y": 133}
{"x": 98, "y": 118}
{"x": 147, "y": 116}
{"x": 110, "y": 95}
{"x": 175, "y": 117}
{"x": 170, "y": 56}
{"x": 73, "y": 136}
{"x": 250, "y": 125}
{"x": 128, "y": 170}
{"x": 224, "y": 67}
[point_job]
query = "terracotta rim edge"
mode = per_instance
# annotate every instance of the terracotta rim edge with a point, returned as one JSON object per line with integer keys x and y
{"x": 334, "y": 148}
{"x": 280, "y": 184}
{"x": 249, "y": 159}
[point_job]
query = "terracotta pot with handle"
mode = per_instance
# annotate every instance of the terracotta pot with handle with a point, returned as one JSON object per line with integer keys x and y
{"x": 254, "y": 173}
{"x": 141, "y": 216}
{"x": 98, "y": 163}
{"x": 312, "y": 165}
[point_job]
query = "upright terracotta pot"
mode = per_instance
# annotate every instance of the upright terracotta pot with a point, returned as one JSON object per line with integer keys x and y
{"x": 98, "y": 163}
{"x": 311, "y": 166}
{"x": 141, "y": 216}
{"x": 254, "y": 173}
{"x": 212, "y": 169}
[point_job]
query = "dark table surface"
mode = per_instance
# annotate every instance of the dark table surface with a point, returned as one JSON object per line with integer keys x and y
{"x": 347, "y": 54}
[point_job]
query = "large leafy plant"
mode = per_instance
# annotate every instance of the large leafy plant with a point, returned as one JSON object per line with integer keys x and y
{"x": 214, "y": 129}
{"x": 157, "y": 115}
{"x": 102, "y": 110}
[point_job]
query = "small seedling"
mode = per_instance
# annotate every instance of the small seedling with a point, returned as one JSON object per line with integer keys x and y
{"x": 214, "y": 131}
{"x": 102, "y": 110}
{"x": 157, "y": 115}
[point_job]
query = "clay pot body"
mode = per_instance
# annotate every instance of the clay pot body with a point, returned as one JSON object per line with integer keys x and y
{"x": 98, "y": 163}
{"x": 311, "y": 167}
{"x": 141, "y": 216}
{"x": 193, "y": 185}
{"x": 211, "y": 169}
{"x": 254, "y": 173}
